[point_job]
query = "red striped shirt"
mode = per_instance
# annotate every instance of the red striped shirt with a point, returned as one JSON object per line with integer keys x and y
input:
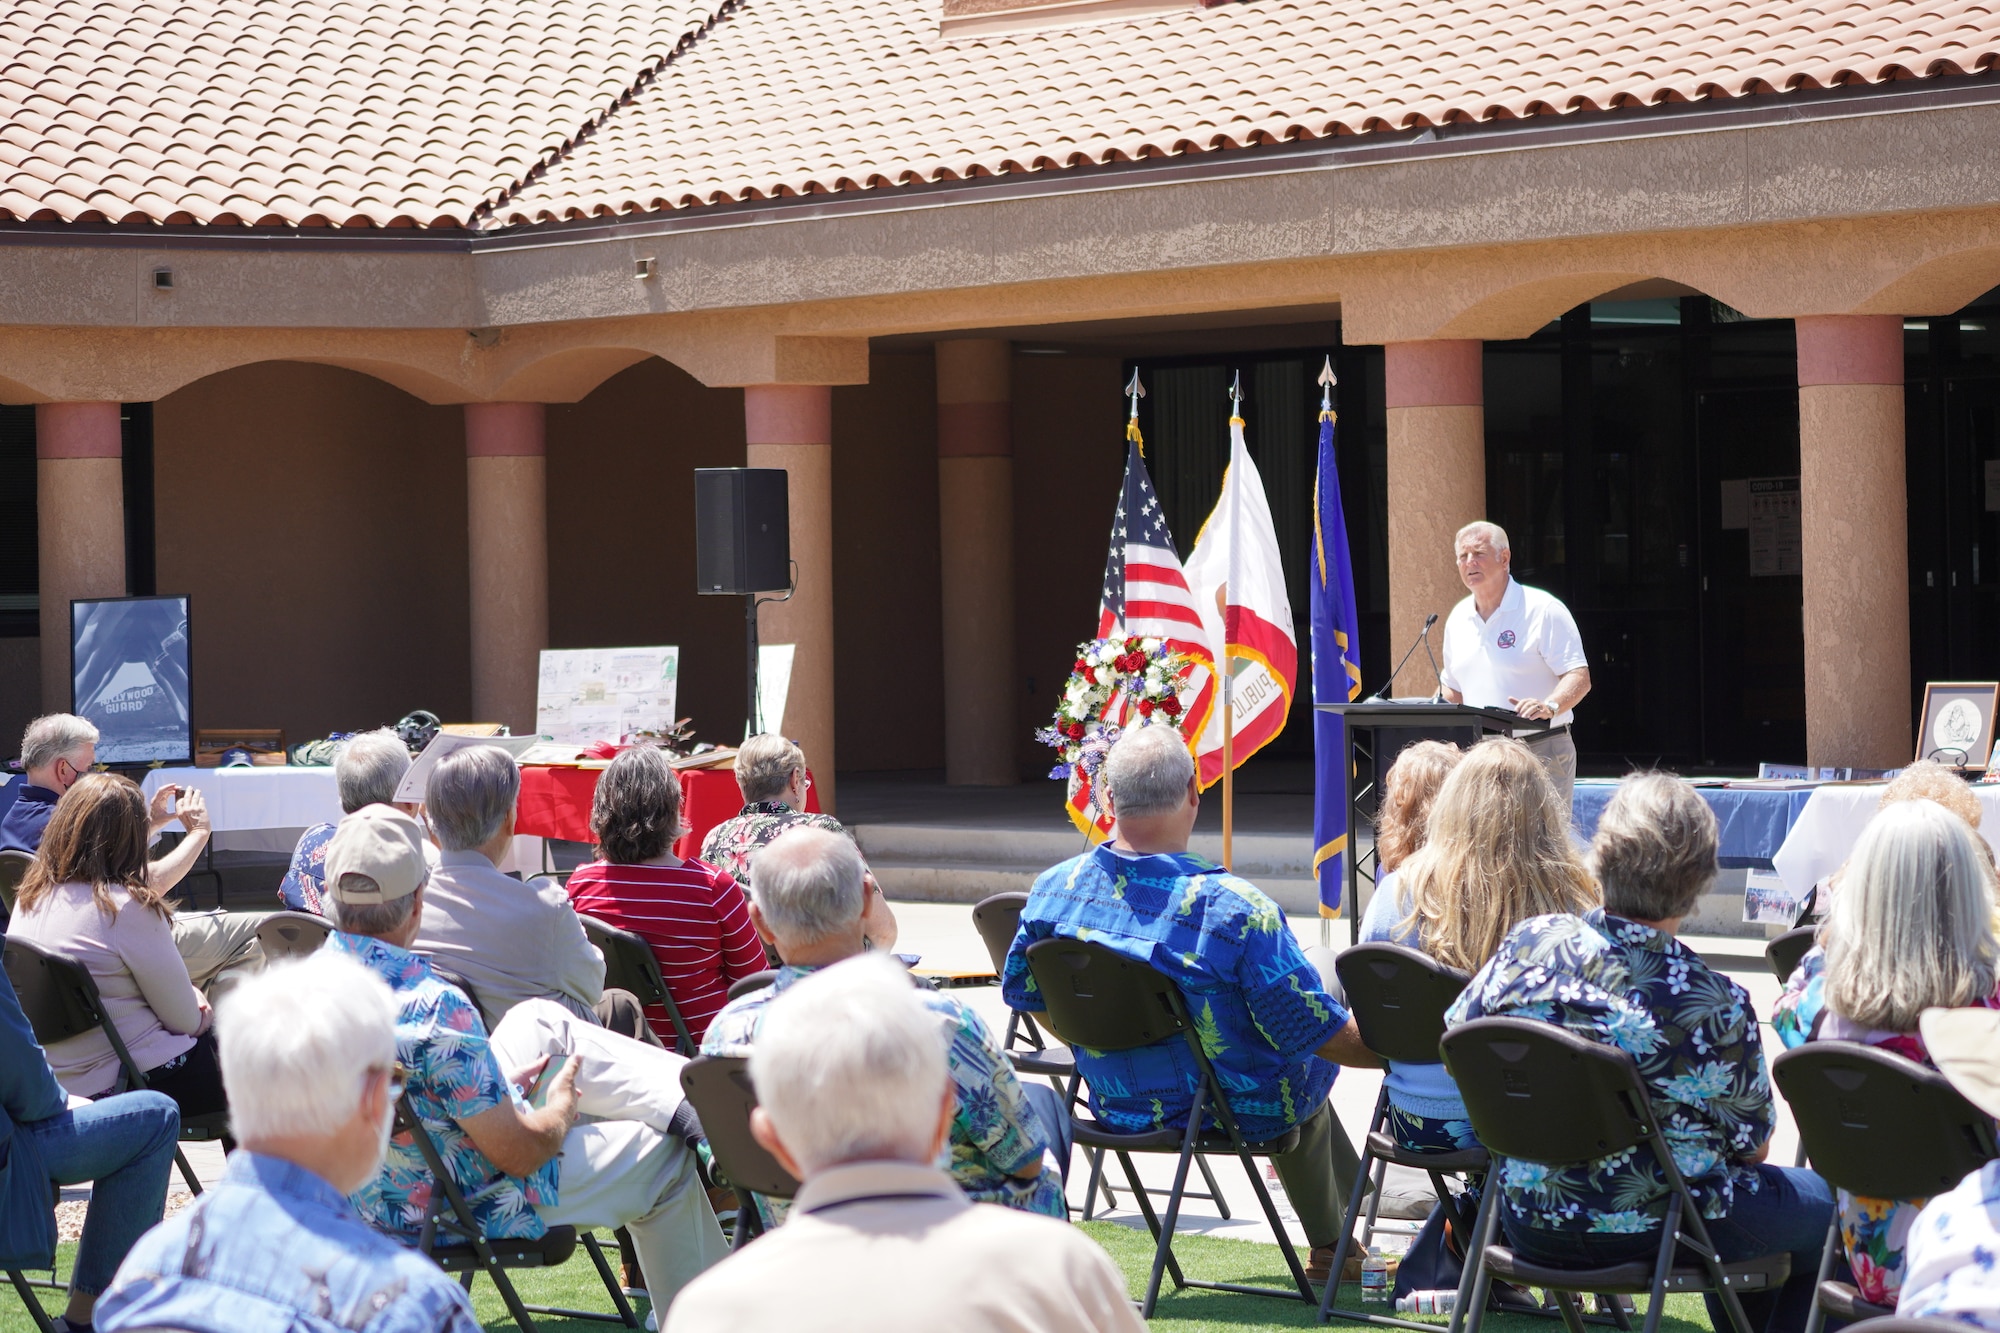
{"x": 695, "y": 918}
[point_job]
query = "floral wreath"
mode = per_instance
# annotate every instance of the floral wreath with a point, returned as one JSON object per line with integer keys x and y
{"x": 1116, "y": 683}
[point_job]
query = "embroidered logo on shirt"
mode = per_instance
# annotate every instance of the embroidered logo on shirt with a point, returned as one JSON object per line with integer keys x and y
{"x": 1506, "y": 639}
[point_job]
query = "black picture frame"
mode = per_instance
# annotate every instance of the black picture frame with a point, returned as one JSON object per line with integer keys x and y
{"x": 132, "y": 676}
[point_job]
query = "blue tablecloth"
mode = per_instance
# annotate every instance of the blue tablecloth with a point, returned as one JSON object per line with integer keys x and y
{"x": 1753, "y": 822}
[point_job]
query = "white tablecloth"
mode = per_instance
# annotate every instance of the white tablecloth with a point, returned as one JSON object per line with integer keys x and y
{"x": 1832, "y": 821}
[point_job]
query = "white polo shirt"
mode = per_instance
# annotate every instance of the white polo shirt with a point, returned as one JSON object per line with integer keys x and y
{"x": 1530, "y": 643}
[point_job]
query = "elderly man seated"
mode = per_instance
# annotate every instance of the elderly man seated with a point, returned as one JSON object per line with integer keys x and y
{"x": 309, "y": 1059}
{"x": 523, "y": 1165}
{"x": 1617, "y": 975}
{"x": 366, "y": 771}
{"x": 808, "y": 901}
{"x": 1950, "y": 1268}
{"x": 856, "y": 1101}
{"x": 1277, "y": 1033}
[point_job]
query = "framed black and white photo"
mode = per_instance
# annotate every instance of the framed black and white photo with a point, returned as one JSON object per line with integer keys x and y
{"x": 131, "y": 677}
{"x": 1957, "y": 723}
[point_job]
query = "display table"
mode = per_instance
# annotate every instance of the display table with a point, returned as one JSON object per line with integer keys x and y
{"x": 1832, "y": 822}
{"x": 555, "y": 803}
{"x": 1753, "y": 822}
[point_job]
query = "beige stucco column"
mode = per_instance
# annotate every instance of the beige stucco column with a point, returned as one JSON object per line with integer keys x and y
{"x": 790, "y": 426}
{"x": 1853, "y": 498}
{"x": 507, "y": 539}
{"x": 1434, "y": 401}
{"x": 976, "y": 557}
{"x": 80, "y": 519}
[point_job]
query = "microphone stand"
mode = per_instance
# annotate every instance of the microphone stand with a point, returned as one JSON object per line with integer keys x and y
{"x": 1425, "y": 640}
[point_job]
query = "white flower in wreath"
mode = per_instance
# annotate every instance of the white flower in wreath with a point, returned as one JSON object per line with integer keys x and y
{"x": 1156, "y": 680}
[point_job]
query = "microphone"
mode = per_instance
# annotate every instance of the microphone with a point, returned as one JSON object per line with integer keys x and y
{"x": 1424, "y": 639}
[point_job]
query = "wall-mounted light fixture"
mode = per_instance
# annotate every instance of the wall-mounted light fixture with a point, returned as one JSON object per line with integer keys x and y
{"x": 163, "y": 279}
{"x": 643, "y": 269}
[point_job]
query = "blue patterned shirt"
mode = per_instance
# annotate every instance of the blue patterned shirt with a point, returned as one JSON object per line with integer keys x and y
{"x": 1693, "y": 1035}
{"x": 453, "y": 1077}
{"x": 272, "y": 1248}
{"x": 1259, "y": 1007}
{"x": 304, "y": 884}
{"x": 994, "y": 1133}
{"x": 1952, "y": 1259}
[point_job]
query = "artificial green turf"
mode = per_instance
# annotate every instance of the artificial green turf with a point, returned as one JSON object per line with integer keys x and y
{"x": 575, "y": 1285}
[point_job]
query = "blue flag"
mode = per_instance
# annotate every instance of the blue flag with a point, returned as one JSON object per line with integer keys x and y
{"x": 1336, "y": 660}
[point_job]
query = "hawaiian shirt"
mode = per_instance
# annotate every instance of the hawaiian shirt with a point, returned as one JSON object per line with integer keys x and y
{"x": 1953, "y": 1268}
{"x": 733, "y": 842}
{"x": 1259, "y": 1007}
{"x": 453, "y": 1077}
{"x": 994, "y": 1133}
{"x": 1693, "y": 1035}
{"x": 304, "y": 884}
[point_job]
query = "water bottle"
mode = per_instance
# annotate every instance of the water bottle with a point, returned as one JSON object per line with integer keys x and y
{"x": 1428, "y": 1302}
{"x": 1374, "y": 1276}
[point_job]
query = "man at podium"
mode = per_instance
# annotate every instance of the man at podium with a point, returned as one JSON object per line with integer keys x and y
{"x": 1510, "y": 646}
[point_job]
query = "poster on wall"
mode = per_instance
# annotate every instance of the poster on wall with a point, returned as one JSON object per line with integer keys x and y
{"x": 586, "y": 695}
{"x": 1776, "y": 537}
{"x": 130, "y": 677}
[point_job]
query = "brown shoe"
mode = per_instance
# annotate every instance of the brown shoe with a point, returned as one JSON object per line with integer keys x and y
{"x": 1320, "y": 1263}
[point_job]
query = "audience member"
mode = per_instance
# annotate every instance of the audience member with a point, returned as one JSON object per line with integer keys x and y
{"x": 366, "y": 771}
{"x": 1910, "y": 930}
{"x": 309, "y": 1058}
{"x": 857, "y": 1101}
{"x": 690, "y": 913}
{"x": 809, "y": 903}
{"x": 1617, "y": 975}
{"x": 502, "y": 1109}
{"x": 87, "y": 897}
{"x": 1276, "y": 1033}
{"x": 123, "y": 1145}
{"x": 1949, "y": 1269}
{"x": 1928, "y": 780}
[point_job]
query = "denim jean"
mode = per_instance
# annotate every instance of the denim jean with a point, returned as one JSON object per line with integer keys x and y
{"x": 1789, "y": 1213}
{"x": 124, "y": 1144}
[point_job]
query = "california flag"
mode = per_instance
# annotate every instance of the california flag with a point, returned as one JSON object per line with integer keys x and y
{"x": 1239, "y": 585}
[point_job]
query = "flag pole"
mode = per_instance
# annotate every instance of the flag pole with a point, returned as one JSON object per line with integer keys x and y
{"x": 1228, "y": 676}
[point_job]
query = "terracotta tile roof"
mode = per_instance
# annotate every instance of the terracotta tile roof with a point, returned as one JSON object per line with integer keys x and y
{"x": 327, "y": 112}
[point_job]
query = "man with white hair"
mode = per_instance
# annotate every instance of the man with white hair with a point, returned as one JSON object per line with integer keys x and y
{"x": 1271, "y": 1030}
{"x": 810, "y": 901}
{"x": 856, "y": 1101}
{"x": 1511, "y": 646}
{"x": 503, "y": 1109}
{"x": 367, "y": 768}
{"x": 308, "y": 1054}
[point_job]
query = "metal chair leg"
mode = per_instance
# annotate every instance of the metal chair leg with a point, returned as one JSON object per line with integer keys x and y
{"x": 1290, "y": 1251}
{"x": 1476, "y": 1281}
{"x": 1346, "y": 1245}
{"x": 43, "y": 1324}
{"x": 1164, "y": 1247}
{"x": 187, "y": 1171}
{"x": 611, "y": 1282}
{"x": 1214, "y": 1190}
{"x": 1816, "y": 1319}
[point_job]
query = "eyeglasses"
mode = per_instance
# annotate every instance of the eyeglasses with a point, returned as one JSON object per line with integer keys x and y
{"x": 399, "y": 1079}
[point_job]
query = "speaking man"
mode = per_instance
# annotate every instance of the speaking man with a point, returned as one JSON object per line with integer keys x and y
{"x": 1509, "y": 646}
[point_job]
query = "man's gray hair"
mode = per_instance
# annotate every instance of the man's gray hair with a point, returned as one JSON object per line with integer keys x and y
{"x": 376, "y": 919}
{"x": 807, "y": 884}
{"x": 367, "y": 767}
{"x": 1492, "y": 534}
{"x": 1147, "y": 771}
{"x": 850, "y": 1067}
{"x": 1654, "y": 853}
{"x": 297, "y": 1042}
{"x": 54, "y": 737}
{"x": 470, "y": 795}
{"x": 764, "y": 766}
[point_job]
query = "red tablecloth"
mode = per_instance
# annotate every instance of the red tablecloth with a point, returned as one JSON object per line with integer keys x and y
{"x": 555, "y": 803}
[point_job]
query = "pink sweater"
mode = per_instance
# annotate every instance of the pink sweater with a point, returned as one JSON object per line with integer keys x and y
{"x": 140, "y": 978}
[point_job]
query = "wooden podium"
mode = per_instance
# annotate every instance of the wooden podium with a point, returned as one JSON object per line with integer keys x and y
{"x": 1377, "y": 731}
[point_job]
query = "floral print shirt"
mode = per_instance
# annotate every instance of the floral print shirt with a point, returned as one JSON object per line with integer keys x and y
{"x": 304, "y": 885}
{"x": 732, "y": 843}
{"x": 453, "y": 1077}
{"x": 995, "y": 1131}
{"x": 1259, "y": 1007}
{"x": 1953, "y": 1269}
{"x": 1693, "y": 1035}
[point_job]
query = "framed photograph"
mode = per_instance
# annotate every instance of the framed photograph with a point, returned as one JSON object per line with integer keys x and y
{"x": 1957, "y": 723}
{"x": 130, "y": 677}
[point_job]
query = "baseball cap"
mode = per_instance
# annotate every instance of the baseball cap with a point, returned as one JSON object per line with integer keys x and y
{"x": 1965, "y": 1046}
{"x": 376, "y": 856}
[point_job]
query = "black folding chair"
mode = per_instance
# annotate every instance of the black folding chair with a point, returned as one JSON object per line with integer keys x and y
{"x": 719, "y": 1087}
{"x": 1880, "y": 1126}
{"x": 292, "y": 934}
{"x": 756, "y": 981}
{"x": 630, "y": 964}
{"x": 1537, "y": 1093}
{"x": 452, "y": 1237}
{"x": 60, "y": 998}
{"x": 1784, "y": 951}
{"x": 1398, "y": 998}
{"x": 25, "y": 1288}
{"x": 1103, "y": 1001}
{"x": 13, "y": 869}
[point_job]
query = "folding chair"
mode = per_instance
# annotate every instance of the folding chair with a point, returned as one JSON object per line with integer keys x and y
{"x": 13, "y": 869}
{"x": 60, "y": 999}
{"x": 1104, "y": 1001}
{"x": 292, "y": 934}
{"x": 1784, "y": 952}
{"x": 630, "y": 964}
{"x": 1398, "y": 998}
{"x": 25, "y": 1289}
{"x": 1537, "y": 1093}
{"x": 756, "y": 981}
{"x": 469, "y": 1251}
{"x": 723, "y": 1096}
{"x": 1880, "y": 1126}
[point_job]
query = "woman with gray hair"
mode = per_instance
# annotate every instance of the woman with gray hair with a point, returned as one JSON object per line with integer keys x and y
{"x": 367, "y": 768}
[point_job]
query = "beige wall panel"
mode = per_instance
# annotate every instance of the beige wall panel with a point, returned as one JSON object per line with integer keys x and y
{"x": 507, "y": 554}
{"x": 317, "y": 519}
{"x": 81, "y": 508}
{"x": 1857, "y": 609}
{"x": 807, "y": 619}
{"x": 976, "y": 526}
{"x": 1437, "y": 484}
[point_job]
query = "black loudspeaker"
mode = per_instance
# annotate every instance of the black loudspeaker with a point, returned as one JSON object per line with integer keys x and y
{"x": 742, "y": 530}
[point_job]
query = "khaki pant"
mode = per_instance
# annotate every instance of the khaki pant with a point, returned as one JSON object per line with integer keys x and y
{"x": 212, "y": 943}
{"x": 1319, "y": 1175}
{"x": 1558, "y": 756}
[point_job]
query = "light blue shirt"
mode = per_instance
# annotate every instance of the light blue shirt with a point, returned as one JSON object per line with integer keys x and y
{"x": 1951, "y": 1261}
{"x": 1425, "y": 1090}
{"x": 272, "y": 1248}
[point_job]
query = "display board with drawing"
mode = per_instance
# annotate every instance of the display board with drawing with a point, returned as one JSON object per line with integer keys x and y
{"x": 587, "y": 695}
